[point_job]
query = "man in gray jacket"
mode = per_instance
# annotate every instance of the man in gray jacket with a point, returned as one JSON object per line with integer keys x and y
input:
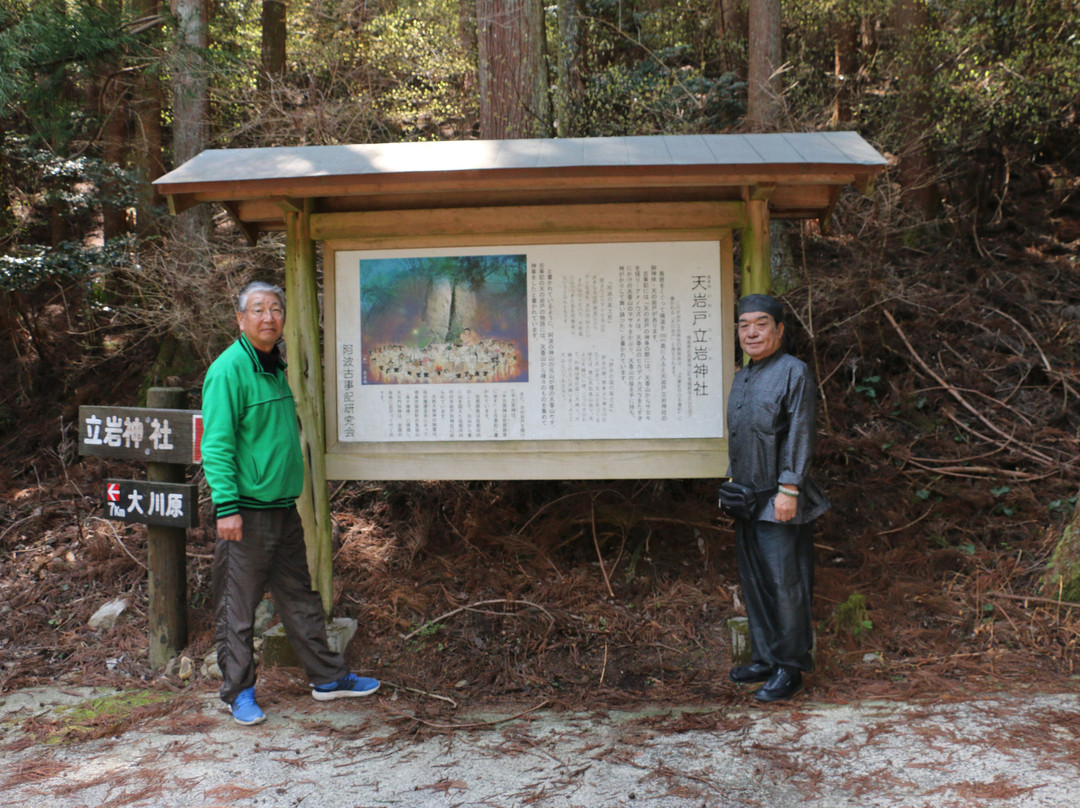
{"x": 770, "y": 417}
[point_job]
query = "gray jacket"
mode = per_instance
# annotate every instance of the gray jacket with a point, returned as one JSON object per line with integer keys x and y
{"x": 771, "y": 414}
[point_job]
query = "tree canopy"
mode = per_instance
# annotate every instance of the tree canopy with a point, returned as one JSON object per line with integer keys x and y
{"x": 93, "y": 102}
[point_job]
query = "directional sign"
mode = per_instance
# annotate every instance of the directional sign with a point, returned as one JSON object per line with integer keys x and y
{"x": 140, "y": 433}
{"x": 169, "y": 504}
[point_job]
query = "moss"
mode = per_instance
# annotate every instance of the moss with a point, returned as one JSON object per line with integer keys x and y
{"x": 852, "y": 616}
{"x": 104, "y": 716}
{"x": 175, "y": 359}
{"x": 1062, "y": 578}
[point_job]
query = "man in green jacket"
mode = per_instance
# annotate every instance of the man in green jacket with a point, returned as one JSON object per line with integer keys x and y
{"x": 254, "y": 467}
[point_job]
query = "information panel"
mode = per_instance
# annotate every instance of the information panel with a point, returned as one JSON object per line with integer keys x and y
{"x": 534, "y": 343}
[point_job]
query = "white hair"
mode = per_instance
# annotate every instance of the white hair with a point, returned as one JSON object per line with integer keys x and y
{"x": 258, "y": 286}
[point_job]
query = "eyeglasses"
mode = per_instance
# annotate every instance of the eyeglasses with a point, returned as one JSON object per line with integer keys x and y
{"x": 274, "y": 311}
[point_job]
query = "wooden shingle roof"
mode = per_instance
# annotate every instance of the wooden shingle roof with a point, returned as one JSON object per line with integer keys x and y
{"x": 802, "y": 174}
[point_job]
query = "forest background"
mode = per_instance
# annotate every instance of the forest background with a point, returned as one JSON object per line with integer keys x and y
{"x": 940, "y": 314}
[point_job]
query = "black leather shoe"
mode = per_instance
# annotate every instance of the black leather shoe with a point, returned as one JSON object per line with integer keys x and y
{"x": 783, "y": 684}
{"x": 755, "y": 672}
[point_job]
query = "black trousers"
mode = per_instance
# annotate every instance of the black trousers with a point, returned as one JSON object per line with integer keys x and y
{"x": 271, "y": 555}
{"x": 776, "y": 569}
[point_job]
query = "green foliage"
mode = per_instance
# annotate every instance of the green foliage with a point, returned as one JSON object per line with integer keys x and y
{"x": 356, "y": 73}
{"x": 45, "y": 58}
{"x": 868, "y": 386}
{"x": 1062, "y": 506}
{"x": 651, "y": 98}
{"x": 422, "y": 67}
{"x": 1015, "y": 78}
{"x": 852, "y": 616}
{"x": 654, "y": 68}
{"x": 1003, "y": 508}
{"x": 999, "y": 81}
{"x": 24, "y": 271}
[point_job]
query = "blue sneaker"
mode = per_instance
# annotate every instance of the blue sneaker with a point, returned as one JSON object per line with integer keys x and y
{"x": 244, "y": 709}
{"x": 348, "y": 685}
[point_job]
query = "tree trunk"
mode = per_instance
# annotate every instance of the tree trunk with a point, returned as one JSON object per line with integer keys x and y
{"x": 112, "y": 109}
{"x": 147, "y": 94}
{"x": 191, "y": 104}
{"x": 766, "y": 57}
{"x": 845, "y": 65}
{"x": 466, "y": 35}
{"x": 274, "y": 31}
{"x": 731, "y": 27}
{"x": 7, "y": 215}
{"x": 917, "y": 164}
{"x": 571, "y": 88}
{"x": 512, "y": 69}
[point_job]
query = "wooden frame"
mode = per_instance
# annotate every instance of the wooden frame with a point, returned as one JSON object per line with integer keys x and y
{"x": 558, "y": 459}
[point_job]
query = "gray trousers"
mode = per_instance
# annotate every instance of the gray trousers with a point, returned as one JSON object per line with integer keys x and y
{"x": 776, "y": 569}
{"x": 271, "y": 555}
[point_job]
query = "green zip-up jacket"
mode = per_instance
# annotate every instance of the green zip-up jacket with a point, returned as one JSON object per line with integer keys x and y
{"x": 251, "y": 438}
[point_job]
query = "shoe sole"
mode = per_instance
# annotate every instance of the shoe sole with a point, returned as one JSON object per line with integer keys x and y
{"x": 771, "y": 699}
{"x": 318, "y": 695}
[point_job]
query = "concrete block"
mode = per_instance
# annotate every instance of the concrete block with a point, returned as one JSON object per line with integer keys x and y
{"x": 740, "y": 641}
{"x": 277, "y": 650}
{"x": 742, "y": 650}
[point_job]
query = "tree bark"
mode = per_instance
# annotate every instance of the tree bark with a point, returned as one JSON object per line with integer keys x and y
{"x": 191, "y": 103}
{"x": 274, "y": 30}
{"x": 147, "y": 103}
{"x": 112, "y": 109}
{"x": 7, "y": 215}
{"x": 766, "y": 57}
{"x": 731, "y": 27}
{"x": 571, "y": 87}
{"x": 918, "y": 167}
{"x": 845, "y": 65}
{"x": 512, "y": 69}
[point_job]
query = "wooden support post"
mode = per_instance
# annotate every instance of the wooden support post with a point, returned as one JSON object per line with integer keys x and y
{"x": 306, "y": 380}
{"x": 166, "y": 555}
{"x": 756, "y": 273}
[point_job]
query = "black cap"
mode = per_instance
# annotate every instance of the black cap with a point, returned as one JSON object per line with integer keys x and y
{"x": 766, "y": 303}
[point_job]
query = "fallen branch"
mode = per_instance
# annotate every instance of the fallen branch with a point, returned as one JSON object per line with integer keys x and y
{"x": 668, "y": 520}
{"x": 475, "y": 724}
{"x": 1025, "y": 598}
{"x": 1035, "y": 342}
{"x": 929, "y": 511}
{"x": 981, "y": 472}
{"x": 116, "y": 536}
{"x": 599, "y": 555}
{"x": 931, "y": 659}
{"x": 1032, "y": 453}
{"x": 472, "y": 607}
{"x": 396, "y": 686}
{"x": 14, "y": 525}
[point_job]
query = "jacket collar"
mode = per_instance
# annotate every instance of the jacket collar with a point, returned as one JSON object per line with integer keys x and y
{"x": 253, "y": 354}
{"x": 768, "y": 360}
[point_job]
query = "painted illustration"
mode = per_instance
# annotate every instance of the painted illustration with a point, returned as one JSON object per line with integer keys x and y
{"x": 459, "y": 319}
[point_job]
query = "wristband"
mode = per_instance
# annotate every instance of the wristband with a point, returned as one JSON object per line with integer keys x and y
{"x": 787, "y": 493}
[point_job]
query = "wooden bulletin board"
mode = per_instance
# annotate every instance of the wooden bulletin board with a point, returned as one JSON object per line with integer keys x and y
{"x": 598, "y": 346}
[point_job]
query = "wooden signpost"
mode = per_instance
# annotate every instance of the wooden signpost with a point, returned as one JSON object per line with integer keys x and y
{"x": 167, "y": 438}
